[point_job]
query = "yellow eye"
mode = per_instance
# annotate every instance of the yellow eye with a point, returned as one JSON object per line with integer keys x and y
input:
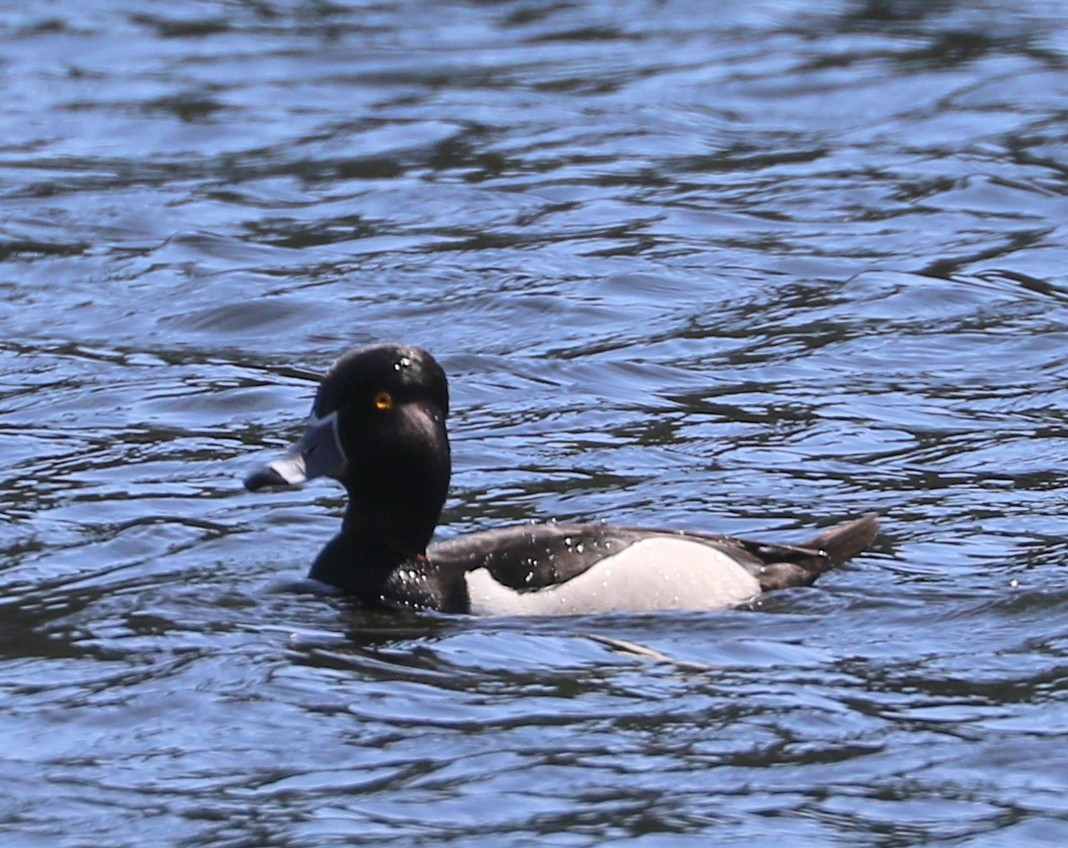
{"x": 383, "y": 401}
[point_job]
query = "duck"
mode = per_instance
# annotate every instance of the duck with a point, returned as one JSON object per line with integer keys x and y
{"x": 378, "y": 426}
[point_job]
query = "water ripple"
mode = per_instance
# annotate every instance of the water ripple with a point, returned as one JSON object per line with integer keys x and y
{"x": 748, "y": 267}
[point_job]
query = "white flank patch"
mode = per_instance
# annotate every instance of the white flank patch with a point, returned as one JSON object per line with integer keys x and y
{"x": 663, "y": 573}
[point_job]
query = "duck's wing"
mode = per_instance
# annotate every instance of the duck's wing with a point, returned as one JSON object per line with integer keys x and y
{"x": 538, "y": 556}
{"x": 534, "y": 556}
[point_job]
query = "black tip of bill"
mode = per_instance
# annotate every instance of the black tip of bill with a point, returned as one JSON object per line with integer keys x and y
{"x": 285, "y": 472}
{"x": 317, "y": 454}
{"x": 264, "y": 478}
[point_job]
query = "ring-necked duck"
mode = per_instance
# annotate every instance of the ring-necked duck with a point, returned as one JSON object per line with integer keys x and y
{"x": 378, "y": 426}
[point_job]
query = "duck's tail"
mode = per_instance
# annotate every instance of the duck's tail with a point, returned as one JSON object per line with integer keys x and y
{"x": 845, "y": 541}
{"x": 800, "y": 565}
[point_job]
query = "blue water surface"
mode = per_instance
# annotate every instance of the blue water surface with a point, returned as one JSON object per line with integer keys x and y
{"x": 747, "y": 267}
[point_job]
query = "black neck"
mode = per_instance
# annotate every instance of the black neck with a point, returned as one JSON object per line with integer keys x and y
{"x": 357, "y": 565}
{"x": 395, "y": 496}
{"x": 371, "y": 545}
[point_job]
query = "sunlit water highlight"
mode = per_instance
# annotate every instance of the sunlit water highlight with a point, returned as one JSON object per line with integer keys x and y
{"x": 745, "y": 267}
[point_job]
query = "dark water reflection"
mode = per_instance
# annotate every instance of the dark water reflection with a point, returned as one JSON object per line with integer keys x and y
{"x": 749, "y": 267}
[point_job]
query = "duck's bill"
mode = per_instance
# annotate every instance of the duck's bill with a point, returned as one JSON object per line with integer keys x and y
{"x": 317, "y": 454}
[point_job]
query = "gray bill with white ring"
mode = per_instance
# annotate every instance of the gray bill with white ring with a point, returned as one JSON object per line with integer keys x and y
{"x": 317, "y": 454}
